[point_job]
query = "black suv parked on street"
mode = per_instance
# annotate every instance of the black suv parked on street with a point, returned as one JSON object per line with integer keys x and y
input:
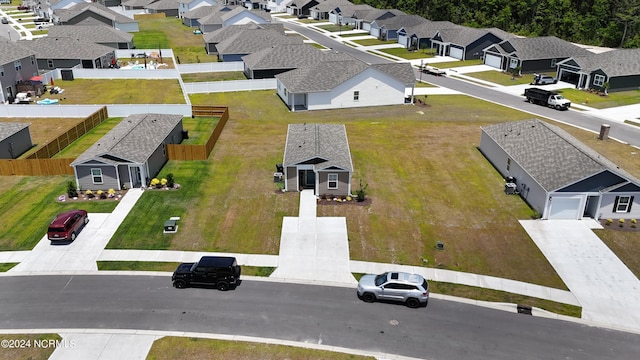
{"x": 219, "y": 271}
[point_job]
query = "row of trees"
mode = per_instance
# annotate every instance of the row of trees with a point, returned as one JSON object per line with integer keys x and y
{"x": 611, "y": 23}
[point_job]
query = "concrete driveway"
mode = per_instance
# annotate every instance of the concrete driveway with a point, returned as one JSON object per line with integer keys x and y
{"x": 608, "y": 291}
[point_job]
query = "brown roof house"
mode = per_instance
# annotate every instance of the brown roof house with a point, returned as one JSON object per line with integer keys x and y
{"x": 317, "y": 156}
{"x": 130, "y": 154}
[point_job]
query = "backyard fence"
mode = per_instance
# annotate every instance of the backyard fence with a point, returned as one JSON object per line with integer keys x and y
{"x": 231, "y": 85}
{"x": 211, "y": 67}
{"x": 36, "y": 167}
{"x": 201, "y": 152}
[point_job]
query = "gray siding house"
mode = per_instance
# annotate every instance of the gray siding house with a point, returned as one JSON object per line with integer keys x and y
{"x": 15, "y": 139}
{"x": 466, "y": 43}
{"x": 619, "y": 68}
{"x": 17, "y": 64}
{"x": 560, "y": 177}
{"x": 317, "y": 156}
{"x": 221, "y": 36}
{"x": 64, "y": 52}
{"x": 94, "y": 14}
{"x": 99, "y": 34}
{"x": 130, "y": 155}
{"x": 250, "y": 39}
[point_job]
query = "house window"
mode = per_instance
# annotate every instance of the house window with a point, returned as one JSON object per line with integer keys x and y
{"x": 623, "y": 204}
{"x": 513, "y": 63}
{"x": 96, "y": 175}
{"x": 1, "y": 70}
{"x": 356, "y": 95}
{"x": 164, "y": 149}
{"x": 598, "y": 80}
{"x": 33, "y": 60}
{"x": 18, "y": 65}
{"x": 508, "y": 164}
{"x": 50, "y": 63}
{"x": 333, "y": 181}
{"x": 554, "y": 62}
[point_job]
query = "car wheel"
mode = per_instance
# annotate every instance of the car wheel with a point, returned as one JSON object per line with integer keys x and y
{"x": 557, "y": 107}
{"x": 413, "y": 303}
{"x": 180, "y": 284}
{"x": 86, "y": 220}
{"x": 368, "y": 297}
{"x": 73, "y": 236}
{"x": 222, "y": 286}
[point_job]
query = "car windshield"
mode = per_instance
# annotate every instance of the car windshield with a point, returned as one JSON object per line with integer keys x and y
{"x": 559, "y": 97}
{"x": 381, "y": 279}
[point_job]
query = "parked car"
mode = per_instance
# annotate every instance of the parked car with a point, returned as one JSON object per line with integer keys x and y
{"x": 410, "y": 289}
{"x": 23, "y": 7}
{"x": 547, "y": 98}
{"x": 67, "y": 225}
{"x": 222, "y": 272}
{"x": 543, "y": 80}
{"x": 4, "y": 20}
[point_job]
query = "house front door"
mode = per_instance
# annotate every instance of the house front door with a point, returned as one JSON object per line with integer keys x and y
{"x": 307, "y": 179}
{"x": 136, "y": 178}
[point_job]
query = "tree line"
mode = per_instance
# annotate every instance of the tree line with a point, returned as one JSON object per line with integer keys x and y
{"x": 611, "y": 23}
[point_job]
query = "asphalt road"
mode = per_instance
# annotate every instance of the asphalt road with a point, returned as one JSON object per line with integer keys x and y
{"x": 626, "y": 133}
{"x": 304, "y": 313}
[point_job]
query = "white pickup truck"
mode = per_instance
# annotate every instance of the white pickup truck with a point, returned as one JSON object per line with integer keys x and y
{"x": 433, "y": 70}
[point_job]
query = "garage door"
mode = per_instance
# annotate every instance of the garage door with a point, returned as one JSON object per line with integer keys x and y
{"x": 403, "y": 40}
{"x": 375, "y": 32}
{"x": 564, "y": 208}
{"x": 493, "y": 61}
{"x": 455, "y": 52}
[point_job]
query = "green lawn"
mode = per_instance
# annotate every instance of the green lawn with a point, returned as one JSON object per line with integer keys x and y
{"x": 455, "y": 64}
{"x": 406, "y": 54}
{"x": 171, "y": 266}
{"x": 371, "y": 42}
{"x": 316, "y": 45}
{"x": 602, "y": 102}
{"x": 200, "y": 129}
{"x": 169, "y": 348}
{"x": 501, "y": 78}
{"x": 364, "y": 33}
{"x": 79, "y": 146}
{"x": 31, "y": 352}
{"x": 4, "y": 267}
{"x": 119, "y": 91}
{"x": 214, "y": 76}
{"x": 335, "y": 28}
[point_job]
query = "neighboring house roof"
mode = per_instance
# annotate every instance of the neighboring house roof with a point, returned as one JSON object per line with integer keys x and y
{"x": 318, "y": 141}
{"x": 221, "y": 34}
{"x": 328, "y": 5}
{"x": 163, "y": 5}
{"x": 290, "y": 56}
{"x": 67, "y": 14}
{"x": 399, "y": 21}
{"x": 348, "y": 10}
{"x": 542, "y": 47}
{"x": 66, "y": 48}
{"x": 374, "y": 14}
{"x": 462, "y": 35}
{"x": 251, "y": 40}
{"x": 238, "y": 10}
{"x": 551, "y": 156}
{"x": 137, "y": 3}
{"x": 326, "y": 75}
{"x": 203, "y": 11}
{"x": 11, "y": 51}
{"x": 428, "y": 28}
{"x": 622, "y": 62}
{"x": 95, "y": 33}
{"x": 134, "y": 139}
{"x": 7, "y": 129}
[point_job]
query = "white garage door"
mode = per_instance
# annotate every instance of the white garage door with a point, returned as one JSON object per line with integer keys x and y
{"x": 403, "y": 40}
{"x": 455, "y": 52}
{"x": 375, "y": 32}
{"x": 493, "y": 61}
{"x": 564, "y": 208}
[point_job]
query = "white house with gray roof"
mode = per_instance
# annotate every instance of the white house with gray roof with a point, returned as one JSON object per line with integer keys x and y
{"x": 619, "y": 68}
{"x": 185, "y": 6}
{"x": 317, "y": 156}
{"x": 17, "y": 64}
{"x": 560, "y": 177}
{"x": 344, "y": 84}
{"x": 64, "y": 52}
{"x": 250, "y": 38}
{"x": 131, "y": 154}
{"x": 15, "y": 139}
{"x": 99, "y": 34}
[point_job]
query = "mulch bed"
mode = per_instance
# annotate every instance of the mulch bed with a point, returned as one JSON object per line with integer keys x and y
{"x": 353, "y": 202}
{"x": 615, "y": 225}
{"x": 82, "y": 197}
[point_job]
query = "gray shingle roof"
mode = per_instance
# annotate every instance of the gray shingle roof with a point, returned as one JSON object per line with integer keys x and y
{"x": 250, "y": 40}
{"x": 399, "y": 21}
{"x": 11, "y": 51}
{"x": 401, "y": 71}
{"x": 238, "y": 10}
{"x": 325, "y": 141}
{"x": 542, "y": 47}
{"x": 290, "y": 56}
{"x": 163, "y": 5}
{"x": 134, "y": 139}
{"x": 66, "y": 48}
{"x": 374, "y": 14}
{"x": 328, "y": 5}
{"x": 462, "y": 35}
{"x": 137, "y": 3}
{"x": 221, "y": 34}
{"x": 550, "y": 155}
{"x": 428, "y": 29}
{"x": 68, "y": 14}
{"x": 215, "y": 16}
{"x": 621, "y": 62}
{"x": 350, "y": 9}
{"x": 93, "y": 33}
{"x": 9, "y": 128}
{"x": 203, "y": 11}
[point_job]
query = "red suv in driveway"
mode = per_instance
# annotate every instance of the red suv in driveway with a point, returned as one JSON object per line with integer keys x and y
{"x": 67, "y": 225}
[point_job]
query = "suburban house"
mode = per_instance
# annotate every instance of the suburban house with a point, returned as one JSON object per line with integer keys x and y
{"x": 241, "y": 16}
{"x": 15, "y": 139}
{"x": 54, "y": 52}
{"x": 537, "y": 54}
{"x": 322, "y": 10}
{"x": 277, "y": 5}
{"x": 274, "y": 60}
{"x": 168, "y": 7}
{"x": 560, "y": 177}
{"x": 301, "y": 7}
{"x": 45, "y": 9}
{"x": 233, "y": 42}
{"x": 466, "y": 43}
{"x": 387, "y": 29}
{"x": 344, "y": 84}
{"x": 94, "y": 14}
{"x": 136, "y": 4}
{"x": 130, "y": 155}
{"x": 17, "y": 64}
{"x": 99, "y": 34}
{"x": 343, "y": 14}
{"x": 191, "y": 18}
{"x": 185, "y": 6}
{"x": 620, "y": 69}
{"x": 317, "y": 156}
{"x": 363, "y": 18}
{"x": 419, "y": 36}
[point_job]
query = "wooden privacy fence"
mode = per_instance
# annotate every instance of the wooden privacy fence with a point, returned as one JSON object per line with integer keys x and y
{"x": 201, "y": 152}
{"x": 40, "y": 163}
